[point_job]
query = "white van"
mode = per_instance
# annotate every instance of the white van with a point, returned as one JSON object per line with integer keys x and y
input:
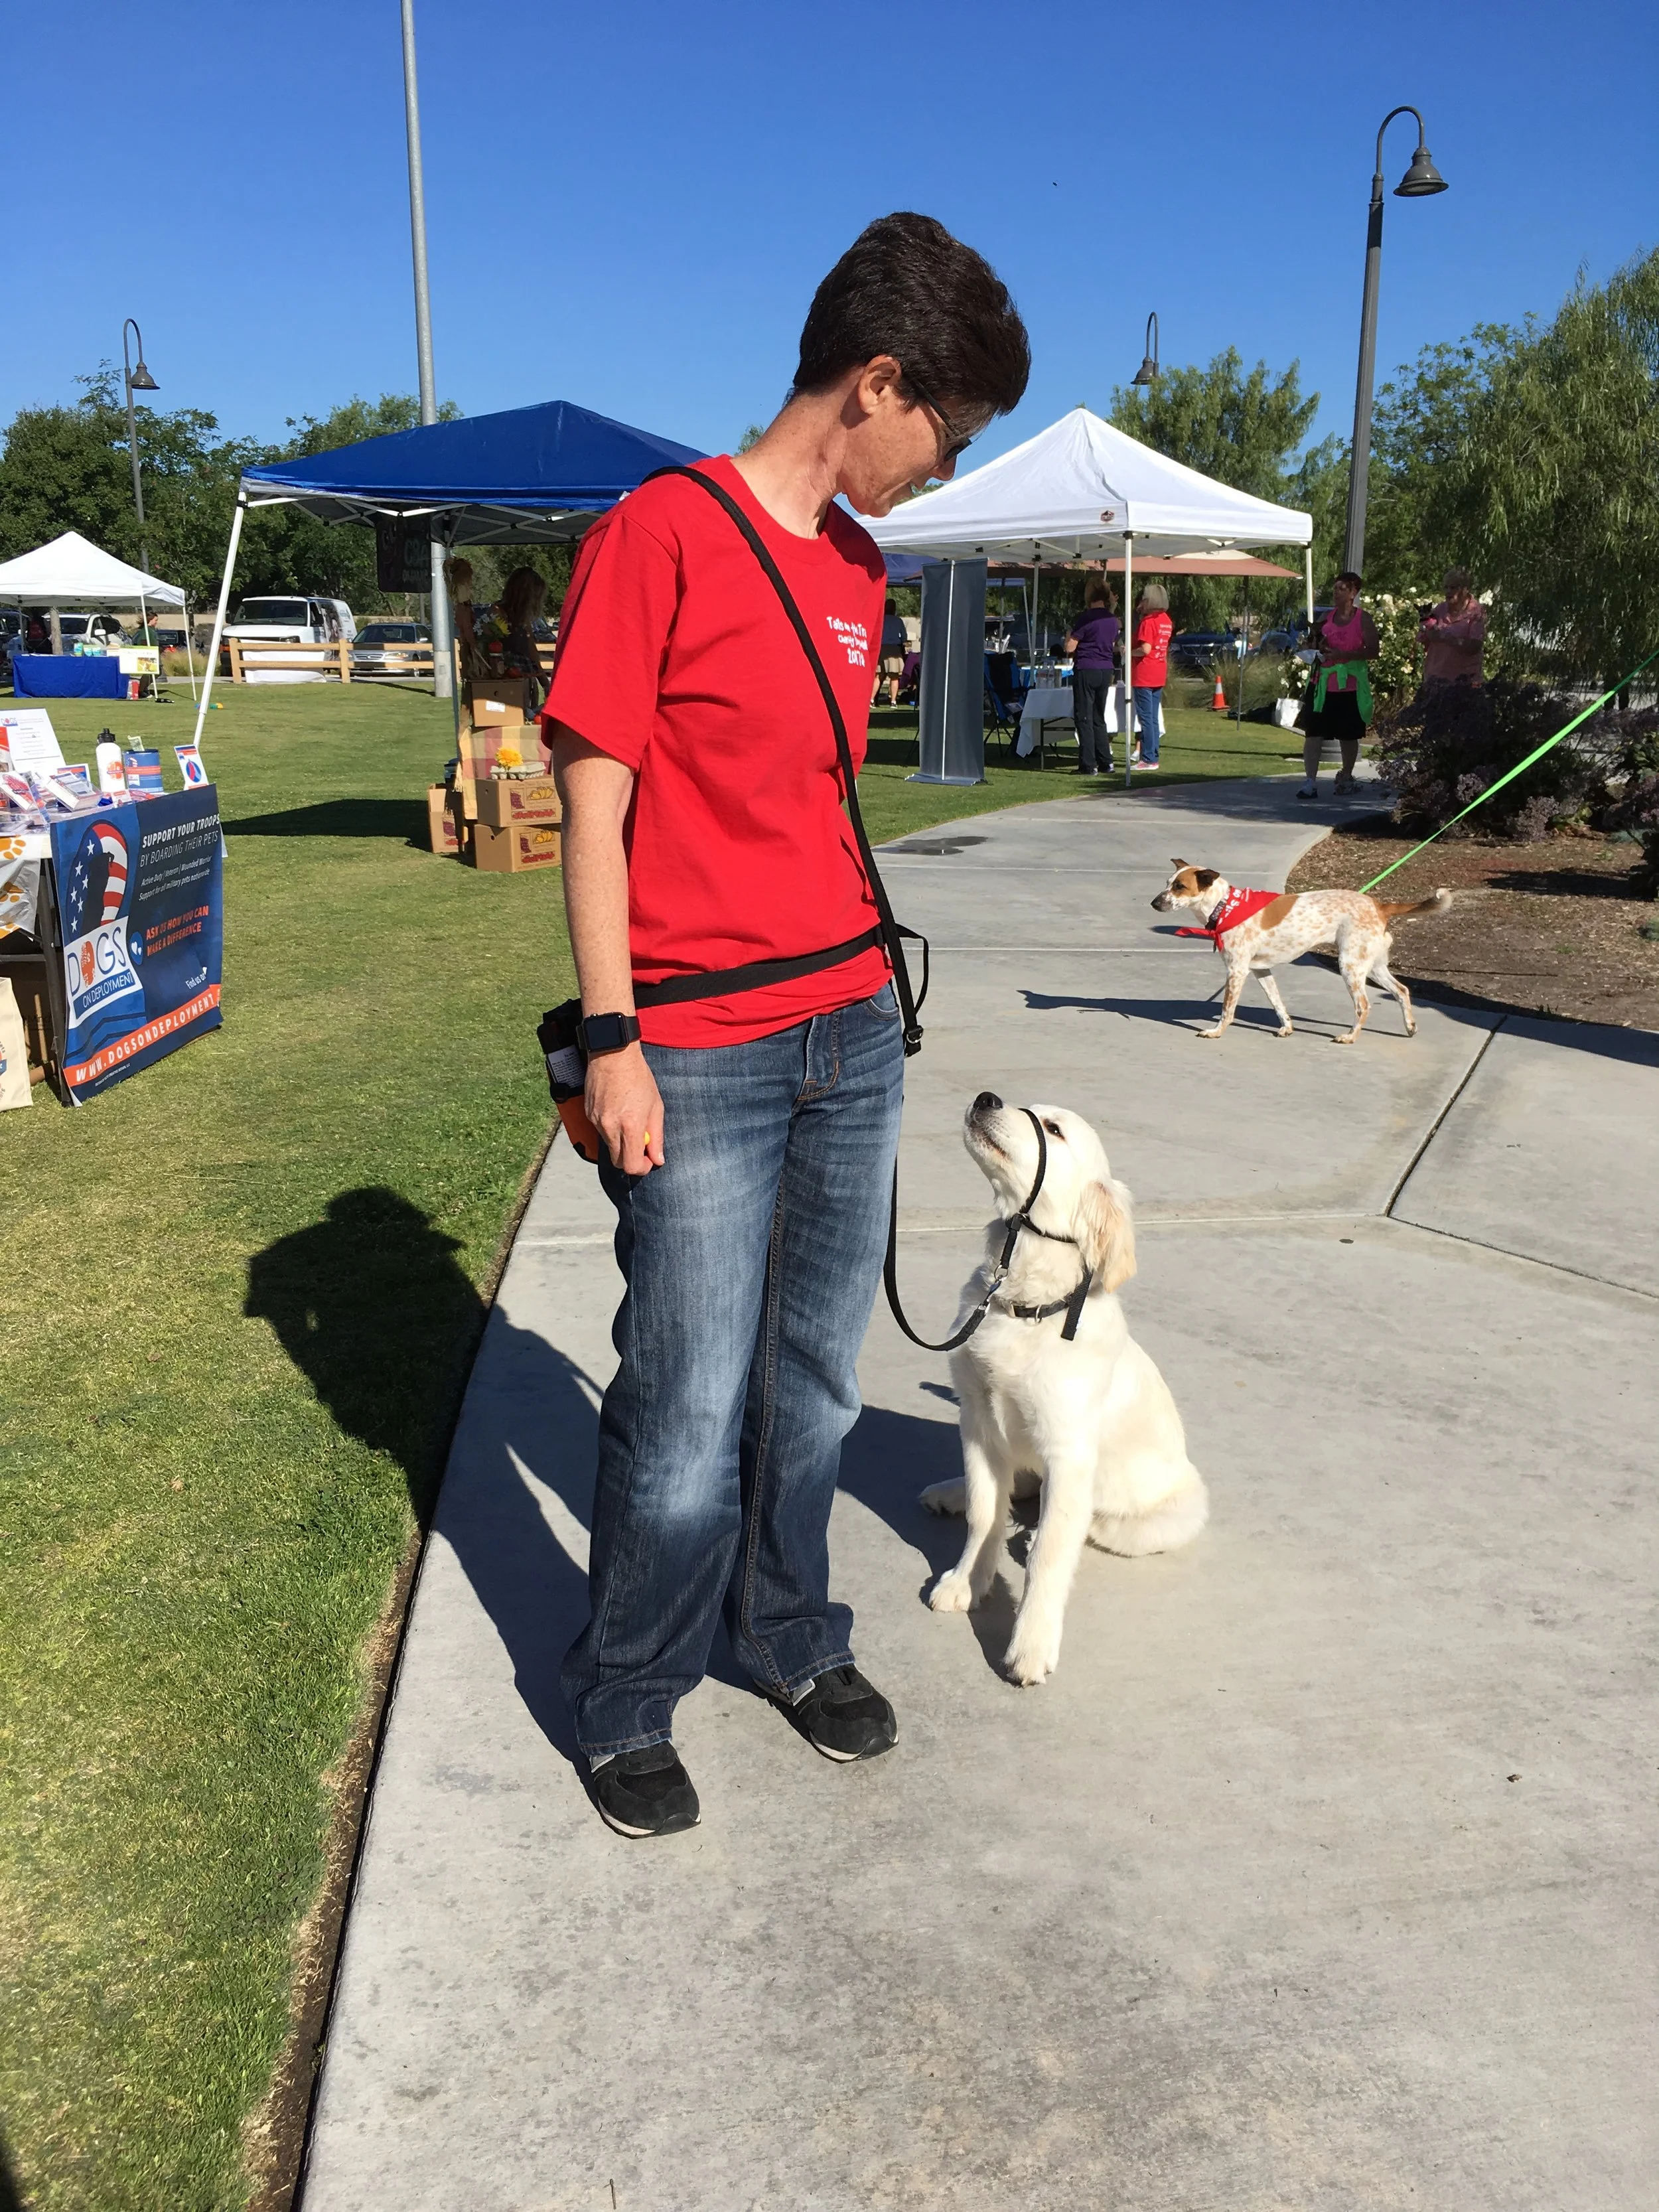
{"x": 292, "y": 622}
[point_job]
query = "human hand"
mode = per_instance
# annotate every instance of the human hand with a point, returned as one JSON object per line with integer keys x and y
{"x": 625, "y": 1106}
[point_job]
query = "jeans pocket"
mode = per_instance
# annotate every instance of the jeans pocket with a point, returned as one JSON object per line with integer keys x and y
{"x": 884, "y": 1004}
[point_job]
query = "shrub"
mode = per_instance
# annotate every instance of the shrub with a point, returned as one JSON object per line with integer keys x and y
{"x": 1624, "y": 744}
{"x": 1439, "y": 751}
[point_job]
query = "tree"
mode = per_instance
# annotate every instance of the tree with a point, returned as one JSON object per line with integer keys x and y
{"x": 1423, "y": 415}
{"x": 1551, "y": 489}
{"x": 1241, "y": 430}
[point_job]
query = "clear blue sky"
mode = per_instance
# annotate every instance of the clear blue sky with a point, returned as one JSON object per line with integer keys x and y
{"x": 629, "y": 206}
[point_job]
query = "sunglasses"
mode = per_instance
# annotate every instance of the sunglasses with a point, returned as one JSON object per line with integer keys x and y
{"x": 958, "y": 444}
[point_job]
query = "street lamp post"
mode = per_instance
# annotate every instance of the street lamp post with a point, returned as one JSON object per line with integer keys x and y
{"x": 1421, "y": 179}
{"x": 1147, "y": 371}
{"x": 138, "y": 380}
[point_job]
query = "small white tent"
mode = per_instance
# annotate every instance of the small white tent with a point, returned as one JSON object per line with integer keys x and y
{"x": 73, "y": 572}
{"x": 1078, "y": 491}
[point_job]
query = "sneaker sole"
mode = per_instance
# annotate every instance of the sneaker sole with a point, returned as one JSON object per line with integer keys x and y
{"x": 852, "y": 1758}
{"x": 622, "y": 1828}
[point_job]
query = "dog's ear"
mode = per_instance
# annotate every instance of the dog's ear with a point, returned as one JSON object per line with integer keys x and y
{"x": 1177, "y": 862}
{"x": 1105, "y": 1233}
{"x": 1204, "y": 877}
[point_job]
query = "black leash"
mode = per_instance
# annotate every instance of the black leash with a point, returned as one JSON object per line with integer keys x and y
{"x": 1071, "y": 1306}
{"x": 891, "y": 931}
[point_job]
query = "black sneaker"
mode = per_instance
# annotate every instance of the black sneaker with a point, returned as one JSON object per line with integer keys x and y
{"x": 843, "y": 1716}
{"x": 646, "y": 1793}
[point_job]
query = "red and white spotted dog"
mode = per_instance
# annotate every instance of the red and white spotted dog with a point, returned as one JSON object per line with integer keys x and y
{"x": 1254, "y": 930}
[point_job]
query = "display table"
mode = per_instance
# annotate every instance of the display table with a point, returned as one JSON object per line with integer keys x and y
{"x": 123, "y": 963}
{"x": 67, "y": 676}
{"x": 1054, "y": 705}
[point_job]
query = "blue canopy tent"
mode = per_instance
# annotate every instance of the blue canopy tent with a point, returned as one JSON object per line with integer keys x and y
{"x": 528, "y": 475}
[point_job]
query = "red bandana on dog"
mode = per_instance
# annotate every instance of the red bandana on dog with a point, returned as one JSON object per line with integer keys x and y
{"x": 1237, "y": 906}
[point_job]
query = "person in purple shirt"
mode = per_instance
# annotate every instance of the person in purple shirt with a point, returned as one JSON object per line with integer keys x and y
{"x": 1093, "y": 645}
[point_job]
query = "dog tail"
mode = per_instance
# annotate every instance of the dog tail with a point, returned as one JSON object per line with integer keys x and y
{"x": 1392, "y": 910}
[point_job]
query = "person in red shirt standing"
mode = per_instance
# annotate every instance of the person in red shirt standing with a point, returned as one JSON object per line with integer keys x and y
{"x": 1150, "y": 671}
{"x": 748, "y": 1137}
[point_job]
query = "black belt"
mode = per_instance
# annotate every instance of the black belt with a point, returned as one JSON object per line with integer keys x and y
{"x": 754, "y": 975}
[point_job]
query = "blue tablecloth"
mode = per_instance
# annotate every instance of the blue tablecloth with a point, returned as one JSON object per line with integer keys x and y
{"x": 67, "y": 676}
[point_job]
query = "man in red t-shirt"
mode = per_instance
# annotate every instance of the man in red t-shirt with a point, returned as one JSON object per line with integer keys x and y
{"x": 750, "y": 1134}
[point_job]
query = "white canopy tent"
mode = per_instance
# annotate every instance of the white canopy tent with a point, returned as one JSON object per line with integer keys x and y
{"x": 1083, "y": 490}
{"x": 72, "y": 572}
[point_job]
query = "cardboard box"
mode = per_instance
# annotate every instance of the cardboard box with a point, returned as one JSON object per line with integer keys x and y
{"x": 466, "y": 798}
{"x": 509, "y": 851}
{"x": 505, "y": 799}
{"x": 498, "y": 699}
{"x": 443, "y": 820}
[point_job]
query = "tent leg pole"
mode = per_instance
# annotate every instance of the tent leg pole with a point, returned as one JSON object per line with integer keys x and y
{"x": 1128, "y": 715}
{"x": 1309, "y": 558}
{"x": 211, "y": 668}
{"x": 190, "y": 651}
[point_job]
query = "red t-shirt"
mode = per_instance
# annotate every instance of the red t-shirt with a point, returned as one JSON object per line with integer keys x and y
{"x": 676, "y": 658}
{"x": 1153, "y": 669}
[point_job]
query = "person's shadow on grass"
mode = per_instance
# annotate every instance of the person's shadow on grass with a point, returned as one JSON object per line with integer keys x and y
{"x": 370, "y": 1305}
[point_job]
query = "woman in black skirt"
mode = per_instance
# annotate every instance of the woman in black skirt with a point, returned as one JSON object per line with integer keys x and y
{"x": 1338, "y": 699}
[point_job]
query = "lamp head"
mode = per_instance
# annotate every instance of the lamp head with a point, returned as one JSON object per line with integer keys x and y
{"x": 1421, "y": 178}
{"x": 141, "y": 380}
{"x": 1146, "y": 372}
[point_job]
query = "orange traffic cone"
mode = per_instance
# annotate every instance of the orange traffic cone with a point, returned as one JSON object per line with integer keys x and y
{"x": 1219, "y": 704}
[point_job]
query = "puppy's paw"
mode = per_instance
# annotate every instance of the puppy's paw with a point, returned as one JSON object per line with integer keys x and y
{"x": 953, "y": 1593}
{"x": 1208, "y": 1033}
{"x": 1286, "y": 1031}
{"x": 1031, "y": 1657}
{"x": 1348, "y": 1036}
{"x": 945, "y": 1497}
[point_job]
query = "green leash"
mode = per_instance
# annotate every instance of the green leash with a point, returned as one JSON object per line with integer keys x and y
{"x": 1510, "y": 775}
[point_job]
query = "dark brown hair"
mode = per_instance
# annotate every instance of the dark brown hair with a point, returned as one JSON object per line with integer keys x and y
{"x": 905, "y": 287}
{"x": 523, "y": 596}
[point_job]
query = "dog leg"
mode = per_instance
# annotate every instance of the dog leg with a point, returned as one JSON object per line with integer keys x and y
{"x": 1067, "y": 1509}
{"x": 1264, "y": 976}
{"x": 1381, "y": 974}
{"x": 1235, "y": 974}
{"x": 946, "y": 1496}
{"x": 1354, "y": 963}
{"x": 1173, "y": 1521}
{"x": 986, "y": 1488}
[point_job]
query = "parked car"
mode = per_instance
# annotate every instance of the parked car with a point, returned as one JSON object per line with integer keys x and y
{"x": 292, "y": 621}
{"x": 369, "y": 656}
{"x": 98, "y": 633}
{"x": 1290, "y": 636}
{"x": 1197, "y": 650}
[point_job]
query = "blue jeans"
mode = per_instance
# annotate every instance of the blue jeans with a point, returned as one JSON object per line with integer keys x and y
{"x": 1149, "y": 717}
{"x": 751, "y": 1261}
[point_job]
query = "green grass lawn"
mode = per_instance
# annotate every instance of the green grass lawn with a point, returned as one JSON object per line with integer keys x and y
{"x": 244, "y": 1291}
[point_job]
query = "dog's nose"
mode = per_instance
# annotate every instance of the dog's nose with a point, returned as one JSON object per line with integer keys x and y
{"x": 1158, "y": 901}
{"x": 987, "y": 1103}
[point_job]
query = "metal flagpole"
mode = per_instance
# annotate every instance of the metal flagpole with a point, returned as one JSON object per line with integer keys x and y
{"x": 443, "y": 656}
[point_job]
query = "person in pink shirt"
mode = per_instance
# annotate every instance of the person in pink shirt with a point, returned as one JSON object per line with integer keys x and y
{"x": 1339, "y": 685}
{"x": 1454, "y": 634}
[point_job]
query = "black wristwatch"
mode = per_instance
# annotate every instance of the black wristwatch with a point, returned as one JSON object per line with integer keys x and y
{"x": 603, "y": 1033}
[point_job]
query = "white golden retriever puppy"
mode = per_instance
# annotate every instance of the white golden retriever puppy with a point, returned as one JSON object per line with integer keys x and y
{"x": 1055, "y": 1391}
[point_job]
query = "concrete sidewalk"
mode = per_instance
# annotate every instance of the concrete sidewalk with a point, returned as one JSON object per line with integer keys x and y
{"x": 1320, "y": 1875}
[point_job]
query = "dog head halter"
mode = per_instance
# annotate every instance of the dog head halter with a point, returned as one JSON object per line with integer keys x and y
{"x": 1071, "y": 1306}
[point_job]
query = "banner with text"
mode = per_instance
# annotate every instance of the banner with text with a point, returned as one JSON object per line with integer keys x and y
{"x": 141, "y": 916}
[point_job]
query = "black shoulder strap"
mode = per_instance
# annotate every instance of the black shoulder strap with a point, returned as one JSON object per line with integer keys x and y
{"x": 891, "y": 931}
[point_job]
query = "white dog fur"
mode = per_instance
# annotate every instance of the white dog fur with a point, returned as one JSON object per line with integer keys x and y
{"x": 1090, "y": 1422}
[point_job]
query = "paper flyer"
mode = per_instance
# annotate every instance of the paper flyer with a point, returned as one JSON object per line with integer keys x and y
{"x": 30, "y": 738}
{"x": 190, "y": 764}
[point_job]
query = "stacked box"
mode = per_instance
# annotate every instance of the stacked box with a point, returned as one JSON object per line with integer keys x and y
{"x": 445, "y": 823}
{"x": 505, "y": 800}
{"x": 524, "y": 846}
